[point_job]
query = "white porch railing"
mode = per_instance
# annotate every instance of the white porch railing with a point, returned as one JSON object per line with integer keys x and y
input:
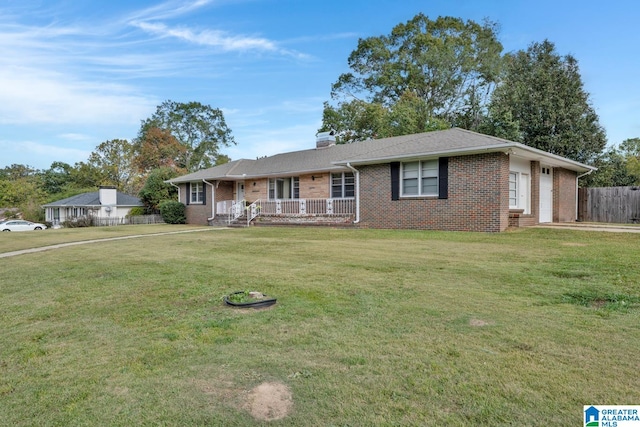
{"x": 236, "y": 210}
{"x": 286, "y": 207}
{"x": 305, "y": 207}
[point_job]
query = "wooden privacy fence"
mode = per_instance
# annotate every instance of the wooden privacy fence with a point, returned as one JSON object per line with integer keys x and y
{"x": 609, "y": 204}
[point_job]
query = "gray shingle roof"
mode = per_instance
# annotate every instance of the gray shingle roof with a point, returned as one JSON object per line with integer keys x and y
{"x": 93, "y": 199}
{"x": 448, "y": 142}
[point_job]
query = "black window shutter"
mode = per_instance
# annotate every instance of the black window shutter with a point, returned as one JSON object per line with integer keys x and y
{"x": 204, "y": 193}
{"x": 188, "y": 193}
{"x": 395, "y": 180}
{"x": 443, "y": 178}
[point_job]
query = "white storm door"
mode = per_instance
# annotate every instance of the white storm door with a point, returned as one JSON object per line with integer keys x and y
{"x": 240, "y": 191}
{"x": 546, "y": 194}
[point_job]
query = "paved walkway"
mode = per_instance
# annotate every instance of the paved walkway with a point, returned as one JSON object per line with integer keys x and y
{"x": 587, "y": 226}
{"x": 85, "y": 242}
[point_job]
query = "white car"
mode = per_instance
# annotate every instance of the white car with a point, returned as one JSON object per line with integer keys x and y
{"x": 20, "y": 225}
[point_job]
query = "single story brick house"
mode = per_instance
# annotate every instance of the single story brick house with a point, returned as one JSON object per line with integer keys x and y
{"x": 106, "y": 203}
{"x": 445, "y": 180}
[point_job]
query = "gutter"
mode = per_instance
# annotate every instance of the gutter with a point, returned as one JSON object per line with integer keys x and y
{"x": 176, "y": 187}
{"x": 356, "y": 173}
{"x": 213, "y": 201}
{"x": 577, "y": 178}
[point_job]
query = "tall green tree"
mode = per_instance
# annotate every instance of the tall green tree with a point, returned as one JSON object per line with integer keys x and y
{"x": 16, "y": 171}
{"x": 360, "y": 120}
{"x": 114, "y": 159}
{"x": 541, "y": 102}
{"x": 57, "y": 177}
{"x": 156, "y": 190}
{"x": 611, "y": 172}
{"x": 630, "y": 149}
{"x": 448, "y": 64}
{"x": 201, "y": 129}
{"x": 158, "y": 148}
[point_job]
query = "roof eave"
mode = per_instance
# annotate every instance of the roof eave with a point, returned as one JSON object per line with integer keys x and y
{"x": 506, "y": 147}
{"x": 242, "y": 177}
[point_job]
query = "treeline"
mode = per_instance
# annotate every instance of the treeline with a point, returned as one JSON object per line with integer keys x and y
{"x": 178, "y": 138}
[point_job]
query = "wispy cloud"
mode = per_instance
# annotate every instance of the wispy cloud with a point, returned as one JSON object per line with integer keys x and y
{"x": 34, "y": 96}
{"x": 214, "y": 38}
{"x": 167, "y": 10}
{"x": 153, "y": 21}
{"x": 27, "y": 151}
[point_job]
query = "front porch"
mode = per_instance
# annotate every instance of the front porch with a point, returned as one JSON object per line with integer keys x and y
{"x": 339, "y": 211}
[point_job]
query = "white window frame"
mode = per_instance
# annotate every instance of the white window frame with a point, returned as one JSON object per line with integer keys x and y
{"x": 345, "y": 183}
{"x": 514, "y": 189}
{"x": 196, "y": 189}
{"x": 520, "y": 191}
{"x": 426, "y": 170}
{"x": 279, "y": 185}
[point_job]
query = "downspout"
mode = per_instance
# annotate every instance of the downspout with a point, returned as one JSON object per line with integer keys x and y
{"x": 580, "y": 176}
{"x": 356, "y": 173}
{"x": 213, "y": 201}
{"x": 176, "y": 187}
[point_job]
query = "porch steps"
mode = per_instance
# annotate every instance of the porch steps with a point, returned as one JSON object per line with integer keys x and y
{"x": 223, "y": 221}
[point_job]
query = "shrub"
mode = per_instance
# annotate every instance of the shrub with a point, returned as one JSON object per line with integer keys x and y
{"x": 78, "y": 222}
{"x": 173, "y": 212}
{"x": 138, "y": 210}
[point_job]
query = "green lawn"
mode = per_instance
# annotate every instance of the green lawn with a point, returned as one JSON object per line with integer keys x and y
{"x": 370, "y": 328}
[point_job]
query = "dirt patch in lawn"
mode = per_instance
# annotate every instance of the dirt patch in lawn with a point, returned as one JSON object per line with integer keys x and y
{"x": 479, "y": 323}
{"x": 269, "y": 401}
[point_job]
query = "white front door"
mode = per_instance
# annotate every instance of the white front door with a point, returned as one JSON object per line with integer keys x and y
{"x": 546, "y": 194}
{"x": 240, "y": 191}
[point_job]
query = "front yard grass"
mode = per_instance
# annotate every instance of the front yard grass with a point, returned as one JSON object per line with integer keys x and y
{"x": 370, "y": 328}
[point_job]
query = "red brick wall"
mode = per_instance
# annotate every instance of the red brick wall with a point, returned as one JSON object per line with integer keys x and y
{"x": 254, "y": 189}
{"x": 478, "y": 198}
{"x": 564, "y": 195}
{"x": 535, "y": 192}
{"x": 199, "y": 213}
{"x": 315, "y": 186}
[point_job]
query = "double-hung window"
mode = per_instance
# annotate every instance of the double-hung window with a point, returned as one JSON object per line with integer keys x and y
{"x": 420, "y": 178}
{"x": 343, "y": 185}
{"x": 284, "y": 188}
{"x": 513, "y": 190}
{"x": 519, "y": 191}
{"x": 196, "y": 193}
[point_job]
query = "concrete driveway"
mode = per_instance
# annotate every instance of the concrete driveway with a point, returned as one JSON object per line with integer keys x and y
{"x": 590, "y": 226}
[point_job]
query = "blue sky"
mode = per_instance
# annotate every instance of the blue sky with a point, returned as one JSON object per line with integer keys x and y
{"x": 75, "y": 73}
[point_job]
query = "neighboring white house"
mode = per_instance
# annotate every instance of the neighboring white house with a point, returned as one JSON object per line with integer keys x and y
{"x": 107, "y": 203}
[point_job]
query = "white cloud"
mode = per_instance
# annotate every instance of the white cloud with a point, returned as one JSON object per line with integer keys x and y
{"x": 28, "y": 152}
{"x": 257, "y": 143}
{"x": 75, "y": 137}
{"x": 216, "y": 38}
{"x": 213, "y": 38}
{"x": 33, "y": 96}
{"x": 168, "y": 10}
